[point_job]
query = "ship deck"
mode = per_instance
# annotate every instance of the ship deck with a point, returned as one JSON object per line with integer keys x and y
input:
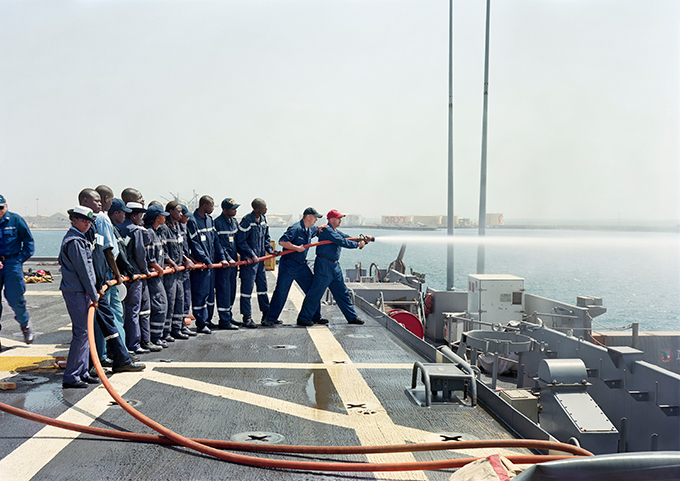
{"x": 339, "y": 384}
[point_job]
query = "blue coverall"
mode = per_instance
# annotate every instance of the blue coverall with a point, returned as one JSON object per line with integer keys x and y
{"x": 16, "y": 247}
{"x": 327, "y": 274}
{"x": 144, "y": 310}
{"x": 186, "y": 278}
{"x": 172, "y": 238}
{"x": 155, "y": 254}
{"x": 225, "y": 278}
{"x": 78, "y": 289}
{"x": 253, "y": 240}
{"x": 134, "y": 240}
{"x": 204, "y": 248}
{"x": 293, "y": 267}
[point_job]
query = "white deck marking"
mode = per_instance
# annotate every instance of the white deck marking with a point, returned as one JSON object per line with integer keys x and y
{"x": 42, "y": 293}
{"x": 24, "y": 462}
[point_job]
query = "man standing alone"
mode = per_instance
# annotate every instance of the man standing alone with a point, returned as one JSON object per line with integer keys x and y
{"x": 16, "y": 247}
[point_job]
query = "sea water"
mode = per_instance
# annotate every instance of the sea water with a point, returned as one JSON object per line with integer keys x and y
{"x": 637, "y": 274}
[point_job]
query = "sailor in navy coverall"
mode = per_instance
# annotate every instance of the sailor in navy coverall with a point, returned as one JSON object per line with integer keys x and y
{"x": 225, "y": 279}
{"x": 79, "y": 291}
{"x": 252, "y": 242}
{"x": 16, "y": 246}
{"x": 205, "y": 249}
{"x": 174, "y": 283}
{"x": 79, "y": 286}
{"x": 156, "y": 257}
{"x": 327, "y": 273}
{"x": 293, "y": 266}
{"x": 189, "y": 267}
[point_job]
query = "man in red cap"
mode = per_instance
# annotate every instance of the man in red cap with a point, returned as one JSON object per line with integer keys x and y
{"x": 327, "y": 273}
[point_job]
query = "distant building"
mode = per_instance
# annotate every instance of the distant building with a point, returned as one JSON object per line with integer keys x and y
{"x": 279, "y": 220}
{"x": 494, "y": 219}
{"x": 353, "y": 220}
{"x": 397, "y": 220}
{"x": 54, "y": 221}
{"x": 427, "y": 220}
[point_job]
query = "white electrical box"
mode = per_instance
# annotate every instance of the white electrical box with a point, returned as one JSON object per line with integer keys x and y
{"x": 495, "y": 298}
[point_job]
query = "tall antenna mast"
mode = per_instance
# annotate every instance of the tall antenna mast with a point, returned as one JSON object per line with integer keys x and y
{"x": 450, "y": 219}
{"x": 482, "y": 180}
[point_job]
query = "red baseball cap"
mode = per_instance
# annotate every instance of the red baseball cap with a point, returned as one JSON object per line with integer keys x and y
{"x": 334, "y": 214}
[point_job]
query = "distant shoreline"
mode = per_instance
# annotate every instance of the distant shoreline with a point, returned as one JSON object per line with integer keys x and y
{"x": 613, "y": 228}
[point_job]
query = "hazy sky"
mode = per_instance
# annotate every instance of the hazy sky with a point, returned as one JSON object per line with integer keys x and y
{"x": 343, "y": 104}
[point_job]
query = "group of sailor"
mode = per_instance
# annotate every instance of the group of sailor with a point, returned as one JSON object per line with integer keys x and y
{"x": 115, "y": 237}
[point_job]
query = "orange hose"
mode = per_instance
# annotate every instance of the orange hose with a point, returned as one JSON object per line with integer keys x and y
{"x": 283, "y": 448}
{"x": 207, "y": 446}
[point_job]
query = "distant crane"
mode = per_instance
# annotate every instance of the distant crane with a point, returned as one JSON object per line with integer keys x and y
{"x": 191, "y": 204}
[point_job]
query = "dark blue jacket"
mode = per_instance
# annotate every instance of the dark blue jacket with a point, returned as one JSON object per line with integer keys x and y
{"x": 136, "y": 250}
{"x": 253, "y": 239}
{"x": 77, "y": 270}
{"x": 226, "y": 233}
{"x": 299, "y": 235}
{"x": 172, "y": 238}
{"x": 338, "y": 241}
{"x": 155, "y": 254}
{"x": 16, "y": 241}
{"x": 124, "y": 226}
{"x": 203, "y": 240}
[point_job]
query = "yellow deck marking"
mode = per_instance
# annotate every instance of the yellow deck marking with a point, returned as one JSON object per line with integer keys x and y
{"x": 24, "y": 462}
{"x": 22, "y": 363}
{"x": 21, "y": 349}
{"x": 352, "y": 388}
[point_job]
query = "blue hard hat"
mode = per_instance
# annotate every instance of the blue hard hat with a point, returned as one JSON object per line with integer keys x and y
{"x": 118, "y": 204}
{"x": 154, "y": 211}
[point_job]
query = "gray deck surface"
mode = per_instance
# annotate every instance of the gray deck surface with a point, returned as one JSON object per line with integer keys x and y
{"x": 296, "y": 375}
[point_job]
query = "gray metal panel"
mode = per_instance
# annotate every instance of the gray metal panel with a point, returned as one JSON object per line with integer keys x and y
{"x": 391, "y": 291}
{"x": 562, "y": 371}
{"x": 584, "y": 412}
{"x": 562, "y": 316}
{"x": 443, "y": 301}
